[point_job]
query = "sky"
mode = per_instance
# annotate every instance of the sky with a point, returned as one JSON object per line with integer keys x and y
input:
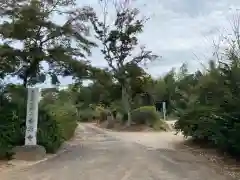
{"x": 180, "y": 31}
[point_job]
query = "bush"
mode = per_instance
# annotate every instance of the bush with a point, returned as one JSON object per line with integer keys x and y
{"x": 197, "y": 122}
{"x": 12, "y": 119}
{"x": 161, "y": 125}
{"x": 54, "y": 126}
{"x": 145, "y": 115}
{"x": 212, "y": 126}
{"x": 103, "y": 113}
{"x": 94, "y": 113}
{"x": 66, "y": 118}
{"x": 50, "y": 132}
{"x": 209, "y": 108}
{"x": 87, "y": 115}
{"x": 11, "y": 130}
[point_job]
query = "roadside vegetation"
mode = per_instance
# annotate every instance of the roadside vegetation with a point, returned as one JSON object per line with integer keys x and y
{"x": 205, "y": 103}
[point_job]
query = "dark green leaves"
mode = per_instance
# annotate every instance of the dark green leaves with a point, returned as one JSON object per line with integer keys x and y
{"x": 43, "y": 40}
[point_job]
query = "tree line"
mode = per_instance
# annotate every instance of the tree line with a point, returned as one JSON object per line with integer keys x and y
{"x": 35, "y": 47}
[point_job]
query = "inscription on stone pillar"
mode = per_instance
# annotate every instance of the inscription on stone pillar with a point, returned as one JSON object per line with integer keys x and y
{"x": 32, "y": 116}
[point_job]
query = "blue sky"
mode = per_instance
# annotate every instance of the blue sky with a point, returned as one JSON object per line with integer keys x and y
{"x": 178, "y": 30}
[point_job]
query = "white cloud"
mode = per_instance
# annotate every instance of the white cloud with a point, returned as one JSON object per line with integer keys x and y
{"x": 178, "y": 29}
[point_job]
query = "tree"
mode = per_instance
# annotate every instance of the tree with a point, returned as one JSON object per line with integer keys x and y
{"x": 61, "y": 46}
{"x": 119, "y": 42}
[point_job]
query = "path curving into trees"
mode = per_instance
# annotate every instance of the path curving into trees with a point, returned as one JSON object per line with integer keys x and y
{"x": 103, "y": 156}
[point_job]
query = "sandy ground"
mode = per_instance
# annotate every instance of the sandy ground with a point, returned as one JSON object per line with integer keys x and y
{"x": 162, "y": 141}
{"x": 99, "y": 155}
{"x": 154, "y": 140}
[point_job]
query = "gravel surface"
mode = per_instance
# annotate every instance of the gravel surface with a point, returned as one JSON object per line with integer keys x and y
{"x": 96, "y": 155}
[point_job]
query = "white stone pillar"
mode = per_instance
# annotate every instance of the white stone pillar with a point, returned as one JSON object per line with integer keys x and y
{"x": 32, "y": 117}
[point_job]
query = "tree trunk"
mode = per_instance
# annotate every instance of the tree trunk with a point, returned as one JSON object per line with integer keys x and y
{"x": 78, "y": 113}
{"x": 110, "y": 121}
{"x": 25, "y": 82}
{"x": 126, "y": 105}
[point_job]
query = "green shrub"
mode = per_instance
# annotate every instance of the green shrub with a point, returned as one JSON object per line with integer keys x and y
{"x": 117, "y": 106}
{"x": 50, "y": 132}
{"x": 213, "y": 126}
{"x": 145, "y": 115}
{"x": 96, "y": 113}
{"x": 198, "y": 123}
{"x": 160, "y": 125}
{"x": 56, "y": 122}
{"x": 12, "y": 119}
{"x": 103, "y": 113}
{"x": 87, "y": 115}
{"x": 66, "y": 118}
{"x": 11, "y": 130}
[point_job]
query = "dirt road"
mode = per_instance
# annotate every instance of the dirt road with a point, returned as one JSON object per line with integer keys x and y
{"x": 99, "y": 156}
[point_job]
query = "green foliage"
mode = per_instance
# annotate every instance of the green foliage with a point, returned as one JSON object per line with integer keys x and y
{"x": 103, "y": 113}
{"x": 97, "y": 112}
{"x": 66, "y": 117}
{"x": 117, "y": 106}
{"x": 50, "y": 135}
{"x": 57, "y": 122}
{"x": 61, "y": 108}
{"x": 11, "y": 129}
{"x": 88, "y": 114}
{"x": 119, "y": 42}
{"x": 43, "y": 40}
{"x": 198, "y": 122}
{"x": 208, "y": 107}
{"x": 145, "y": 115}
{"x": 206, "y": 102}
{"x": 12, "y": 119}
{"x": 160, "y": 125}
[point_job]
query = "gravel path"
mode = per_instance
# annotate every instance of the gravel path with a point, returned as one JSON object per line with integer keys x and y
{"x": 99, "y": 156}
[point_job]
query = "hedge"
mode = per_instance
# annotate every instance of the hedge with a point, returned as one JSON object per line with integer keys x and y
{"x": 52, "y": 129}
{"x": 145, "y": 115}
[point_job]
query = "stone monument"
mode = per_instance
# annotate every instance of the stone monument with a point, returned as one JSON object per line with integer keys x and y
{"x": 31, "y": 151}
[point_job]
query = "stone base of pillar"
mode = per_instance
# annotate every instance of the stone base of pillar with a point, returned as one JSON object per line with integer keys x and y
{"x": 29, "y": 152}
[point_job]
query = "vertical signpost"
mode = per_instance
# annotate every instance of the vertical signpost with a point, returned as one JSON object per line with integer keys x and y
{"x": 31, "y": 151}
{"x": 32, "y": 117}
{"x": 164, "y": 110}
